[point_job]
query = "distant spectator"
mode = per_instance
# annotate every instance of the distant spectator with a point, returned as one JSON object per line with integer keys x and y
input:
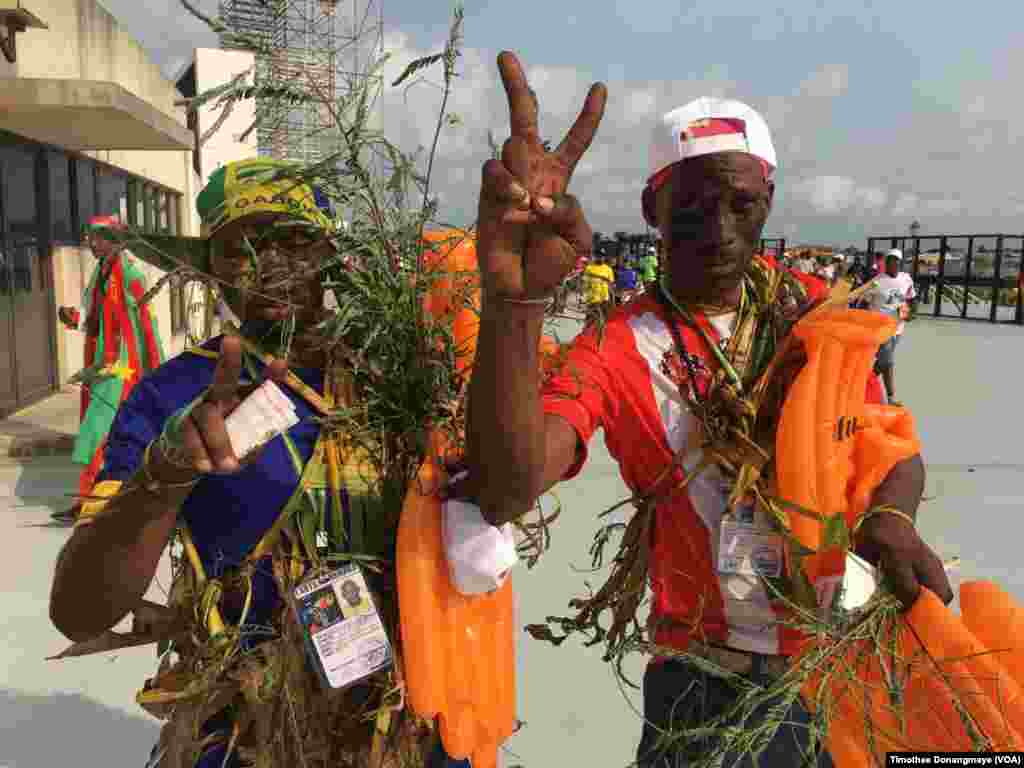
{"x": 891, "y": 295}
{"x": 804, "y": 263}
{"x": 825, "y": 270}
{"x": 649, "y": 267}
{"x": 598, "y": 279}
{"x": 842, "y": 268}
{"x": 859, "y": 272}
{"x": 626, "y": 280}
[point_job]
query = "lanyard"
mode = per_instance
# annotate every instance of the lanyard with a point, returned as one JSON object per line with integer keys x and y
{"x": 319, "y": 479}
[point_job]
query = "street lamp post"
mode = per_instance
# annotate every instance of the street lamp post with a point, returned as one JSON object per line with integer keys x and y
{"x": 915, "y": 231}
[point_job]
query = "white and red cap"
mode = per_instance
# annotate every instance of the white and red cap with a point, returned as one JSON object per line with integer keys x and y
{"x": 707, "y": 126}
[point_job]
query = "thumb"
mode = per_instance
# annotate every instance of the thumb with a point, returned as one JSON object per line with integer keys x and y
{"x": 899, "y": 573}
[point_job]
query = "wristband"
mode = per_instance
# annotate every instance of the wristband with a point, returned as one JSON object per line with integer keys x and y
{"x": 153, "y": 486}
{"x": 537, "y": 302}
{"x": 876, "y": 511}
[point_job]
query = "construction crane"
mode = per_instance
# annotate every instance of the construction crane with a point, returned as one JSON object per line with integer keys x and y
{"x": 323, "y": 48}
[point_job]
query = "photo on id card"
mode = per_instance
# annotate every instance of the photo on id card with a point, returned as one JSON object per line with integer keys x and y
{"x": 345, "y": 638}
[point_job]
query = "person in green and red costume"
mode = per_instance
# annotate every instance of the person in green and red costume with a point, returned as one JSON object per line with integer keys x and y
{"x": 122, "y": 344}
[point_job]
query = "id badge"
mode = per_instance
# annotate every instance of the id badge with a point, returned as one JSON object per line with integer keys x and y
{"x": 749, "y": 550}
{"x": 345, "y": 637}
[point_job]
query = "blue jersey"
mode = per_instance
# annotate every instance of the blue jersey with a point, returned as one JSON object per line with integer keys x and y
{"x": 226, "y": 514}
{"x": 626, "y": 279}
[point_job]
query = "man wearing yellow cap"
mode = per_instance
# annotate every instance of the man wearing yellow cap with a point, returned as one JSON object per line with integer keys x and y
{"x": 252, "y": 525}
{"x": 648, "y": 378}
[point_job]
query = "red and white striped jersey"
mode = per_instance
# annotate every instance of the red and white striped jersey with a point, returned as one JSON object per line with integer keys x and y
{"x": 629, "y": 385}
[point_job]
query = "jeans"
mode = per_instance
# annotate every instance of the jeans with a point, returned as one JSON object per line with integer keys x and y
{"x": 680, "y": 696}
{"x": 887, "y": 353}
{"x": 440, "y": 759}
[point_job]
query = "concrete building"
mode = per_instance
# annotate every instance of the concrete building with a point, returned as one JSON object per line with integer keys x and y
{"x": 88, "y": 124}
{"x": 228, "y": 137}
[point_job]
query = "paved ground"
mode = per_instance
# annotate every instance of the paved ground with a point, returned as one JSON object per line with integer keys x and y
{"x": 57, "y": 713}
{"x": 45, "y": 429}
{"x": 961, "y": 379}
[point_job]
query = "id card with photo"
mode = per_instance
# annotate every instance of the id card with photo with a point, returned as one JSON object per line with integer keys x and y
{"x": 749, "y": 550}
{"x": 345, "y": 637}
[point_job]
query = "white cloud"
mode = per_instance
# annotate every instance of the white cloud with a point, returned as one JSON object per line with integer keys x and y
{"x": 906, "y": 205}
{"x": 827, "y": 82}
{"x": 836, "y": 194}
{"x": 640, "y": 103}
{"x": 943, "y": 207}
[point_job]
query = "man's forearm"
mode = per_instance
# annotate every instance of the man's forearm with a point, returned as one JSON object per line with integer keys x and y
{"x": 903, "y": 487}
{"x": 106, "y": 566}
{"x": 505, "y": 433}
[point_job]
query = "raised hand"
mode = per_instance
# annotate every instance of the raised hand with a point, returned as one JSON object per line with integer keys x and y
{"x": 205, "y": 445}
{"x": 530, "y": 231}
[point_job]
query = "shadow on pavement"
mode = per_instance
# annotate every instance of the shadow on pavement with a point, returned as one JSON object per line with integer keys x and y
{"x": 69, "y": 729}
{"x": 39, "y": 487}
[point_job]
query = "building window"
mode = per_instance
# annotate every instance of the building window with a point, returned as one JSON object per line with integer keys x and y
{"x": 178, "y": 314}
{"x": 113, "y": 190}
{"x": 161, "y": 199}
{"x": 133, "y": 203}
{"x": 85, "y": 193}
{"x": 61, "y": 213}
{"x": 173, "y": 201}
{"x": 149, "y": 209}
{"x": 181, "y": 295}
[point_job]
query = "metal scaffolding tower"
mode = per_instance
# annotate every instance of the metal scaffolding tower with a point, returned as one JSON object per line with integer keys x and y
{"x": 323, "y": 48}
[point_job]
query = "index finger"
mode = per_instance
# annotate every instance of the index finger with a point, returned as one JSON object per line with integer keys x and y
{"x": 577, "y": 141}
{"x": 522, "y": 102}
{"x": 224, "y": 384}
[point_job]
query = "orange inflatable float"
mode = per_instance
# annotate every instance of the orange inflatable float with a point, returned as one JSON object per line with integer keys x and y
{"x": 956, "y": 692}
{"x": 832, "y": 448}
{"x": 459, "y": 651}
{"x": 454, "y": 295}
{"x": 997, "y": 620}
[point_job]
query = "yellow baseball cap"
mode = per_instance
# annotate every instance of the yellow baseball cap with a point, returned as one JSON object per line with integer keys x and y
{"x": 260, "y": 185}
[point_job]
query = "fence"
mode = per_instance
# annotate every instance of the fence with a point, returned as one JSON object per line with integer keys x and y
{"x": 773, "y": 247}
{"x": 969, "y": 277}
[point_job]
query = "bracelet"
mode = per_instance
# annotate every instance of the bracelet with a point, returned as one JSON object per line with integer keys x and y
{"x": 537, "y": 302}
{"x": 876, "y": 511}
{"x": 154, "y": 486}
{"x": 173, "y": 453}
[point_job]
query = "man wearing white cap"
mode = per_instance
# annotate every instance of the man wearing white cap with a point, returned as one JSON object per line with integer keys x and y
{"x": 649, "y": 267}
{"x": 645, "y": 378}
{"x": 891, "y": 294}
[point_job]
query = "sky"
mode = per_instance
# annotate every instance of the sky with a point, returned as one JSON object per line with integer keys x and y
{"x": 882, "y": 111}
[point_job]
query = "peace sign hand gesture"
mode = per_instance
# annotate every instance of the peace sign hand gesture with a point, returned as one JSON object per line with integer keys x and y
{"x": 530, "y": 232}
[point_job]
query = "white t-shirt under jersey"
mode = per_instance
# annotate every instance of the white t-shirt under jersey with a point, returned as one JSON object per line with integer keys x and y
{"x": 890, "y": 293}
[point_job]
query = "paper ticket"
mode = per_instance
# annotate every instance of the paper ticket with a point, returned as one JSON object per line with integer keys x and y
{"x": 259, "y": 418}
